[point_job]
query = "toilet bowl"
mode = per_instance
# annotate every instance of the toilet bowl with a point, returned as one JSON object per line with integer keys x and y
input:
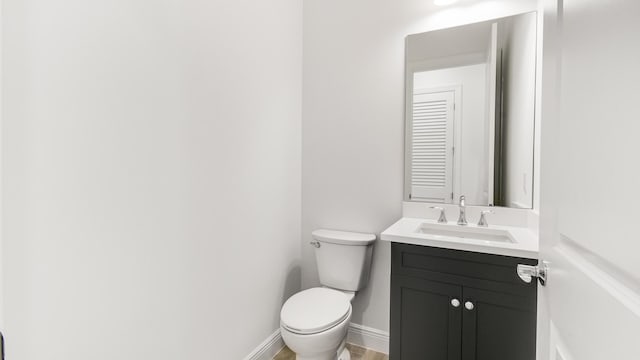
{"x": 314, "y": 324}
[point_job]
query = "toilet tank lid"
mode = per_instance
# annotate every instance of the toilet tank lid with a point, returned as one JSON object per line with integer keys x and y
{"x": 343, "y": 237}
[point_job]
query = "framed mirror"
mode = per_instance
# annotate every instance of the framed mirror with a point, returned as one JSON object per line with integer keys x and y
{"x": 469, "y": 117}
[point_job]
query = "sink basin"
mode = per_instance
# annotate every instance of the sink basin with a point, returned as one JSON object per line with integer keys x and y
{"x": 518, "y": 241}
{"x": 468, "y": 232}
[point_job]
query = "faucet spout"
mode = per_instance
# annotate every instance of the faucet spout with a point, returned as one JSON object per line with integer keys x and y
{"x": 462, "y": 219}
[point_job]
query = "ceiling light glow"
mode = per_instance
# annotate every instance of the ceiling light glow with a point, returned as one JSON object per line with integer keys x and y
{"x": 444, "y": 2}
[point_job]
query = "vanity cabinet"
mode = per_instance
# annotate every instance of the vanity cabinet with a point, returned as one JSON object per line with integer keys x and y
{"x": 460, "y": 305}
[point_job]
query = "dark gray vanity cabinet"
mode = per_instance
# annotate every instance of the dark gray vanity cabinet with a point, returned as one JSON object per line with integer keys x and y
{"x": 460, "y": 305}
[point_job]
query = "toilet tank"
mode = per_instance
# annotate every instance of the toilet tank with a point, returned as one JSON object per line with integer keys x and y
{"x": 343, "y": 258}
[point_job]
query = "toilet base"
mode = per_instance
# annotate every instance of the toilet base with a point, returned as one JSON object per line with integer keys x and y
{"x": 330, "y": 344}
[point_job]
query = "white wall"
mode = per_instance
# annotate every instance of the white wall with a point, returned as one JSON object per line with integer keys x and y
{"x": 472, "y": 169}
{"x": 151, "y": 176}
{"x": 352, "y": 172}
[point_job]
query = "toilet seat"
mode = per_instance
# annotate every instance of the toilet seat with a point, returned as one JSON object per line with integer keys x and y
{"x": 314, "y": 310}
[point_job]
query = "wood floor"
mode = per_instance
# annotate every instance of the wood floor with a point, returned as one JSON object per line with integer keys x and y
{"x": 357, "y": 353}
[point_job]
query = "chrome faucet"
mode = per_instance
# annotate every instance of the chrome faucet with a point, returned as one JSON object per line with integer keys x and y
{"x": 462, "y": 219}
{"x": 443, "y": 217}
{"x": 483, "y": 220}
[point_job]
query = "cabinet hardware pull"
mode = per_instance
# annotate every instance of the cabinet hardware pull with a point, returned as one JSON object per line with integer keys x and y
{"x": 455, "y": 303}
{"x": 469, "y": 305}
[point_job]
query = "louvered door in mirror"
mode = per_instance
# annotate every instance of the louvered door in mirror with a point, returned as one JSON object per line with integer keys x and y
{"x": 432, "y": 146}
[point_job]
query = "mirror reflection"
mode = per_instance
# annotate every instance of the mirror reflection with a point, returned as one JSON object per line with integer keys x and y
{"x": 470, "y": 101}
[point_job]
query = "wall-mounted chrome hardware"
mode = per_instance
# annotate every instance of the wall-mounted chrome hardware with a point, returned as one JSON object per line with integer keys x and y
{"x": 316, "y": 244}
{"x": 483, "y": 220}
{"x": 527, "y": 272}
{"x": 443, "y": 217}
{"x": 468, "y": 305}
{"x": 462, "y": 219}
{"x": 455, "y": 303}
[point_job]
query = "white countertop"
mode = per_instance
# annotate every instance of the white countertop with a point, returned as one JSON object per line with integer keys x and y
{"x": 406, "y": 231}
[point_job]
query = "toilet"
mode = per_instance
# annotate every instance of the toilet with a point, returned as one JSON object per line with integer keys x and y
{"x": 314, "y": 322}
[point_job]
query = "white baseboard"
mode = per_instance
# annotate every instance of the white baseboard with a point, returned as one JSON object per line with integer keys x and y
{"x": 360, "y": 335}
{"x": 268, "y": 349}
{"x": 369, "y": 338}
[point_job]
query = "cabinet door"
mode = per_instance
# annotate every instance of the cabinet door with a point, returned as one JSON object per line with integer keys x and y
{"x": 424, "y": 323}
{"x": 498, "y": 326}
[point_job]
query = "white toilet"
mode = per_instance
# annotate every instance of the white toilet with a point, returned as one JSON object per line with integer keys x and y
{"x": 314, "y": 322}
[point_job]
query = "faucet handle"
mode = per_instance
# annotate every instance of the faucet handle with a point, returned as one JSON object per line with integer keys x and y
{"x": 483, "y": 221}
{"x": 443, "y": 218}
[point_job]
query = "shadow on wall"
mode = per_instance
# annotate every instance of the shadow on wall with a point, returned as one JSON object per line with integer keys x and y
{"x": 292, "y": 283}
{"x": 377, "y": 288}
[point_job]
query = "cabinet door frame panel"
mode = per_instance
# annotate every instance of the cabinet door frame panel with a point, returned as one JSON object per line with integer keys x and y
{"x": 480, "y": 298}
{"x": 454, "y": 328}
